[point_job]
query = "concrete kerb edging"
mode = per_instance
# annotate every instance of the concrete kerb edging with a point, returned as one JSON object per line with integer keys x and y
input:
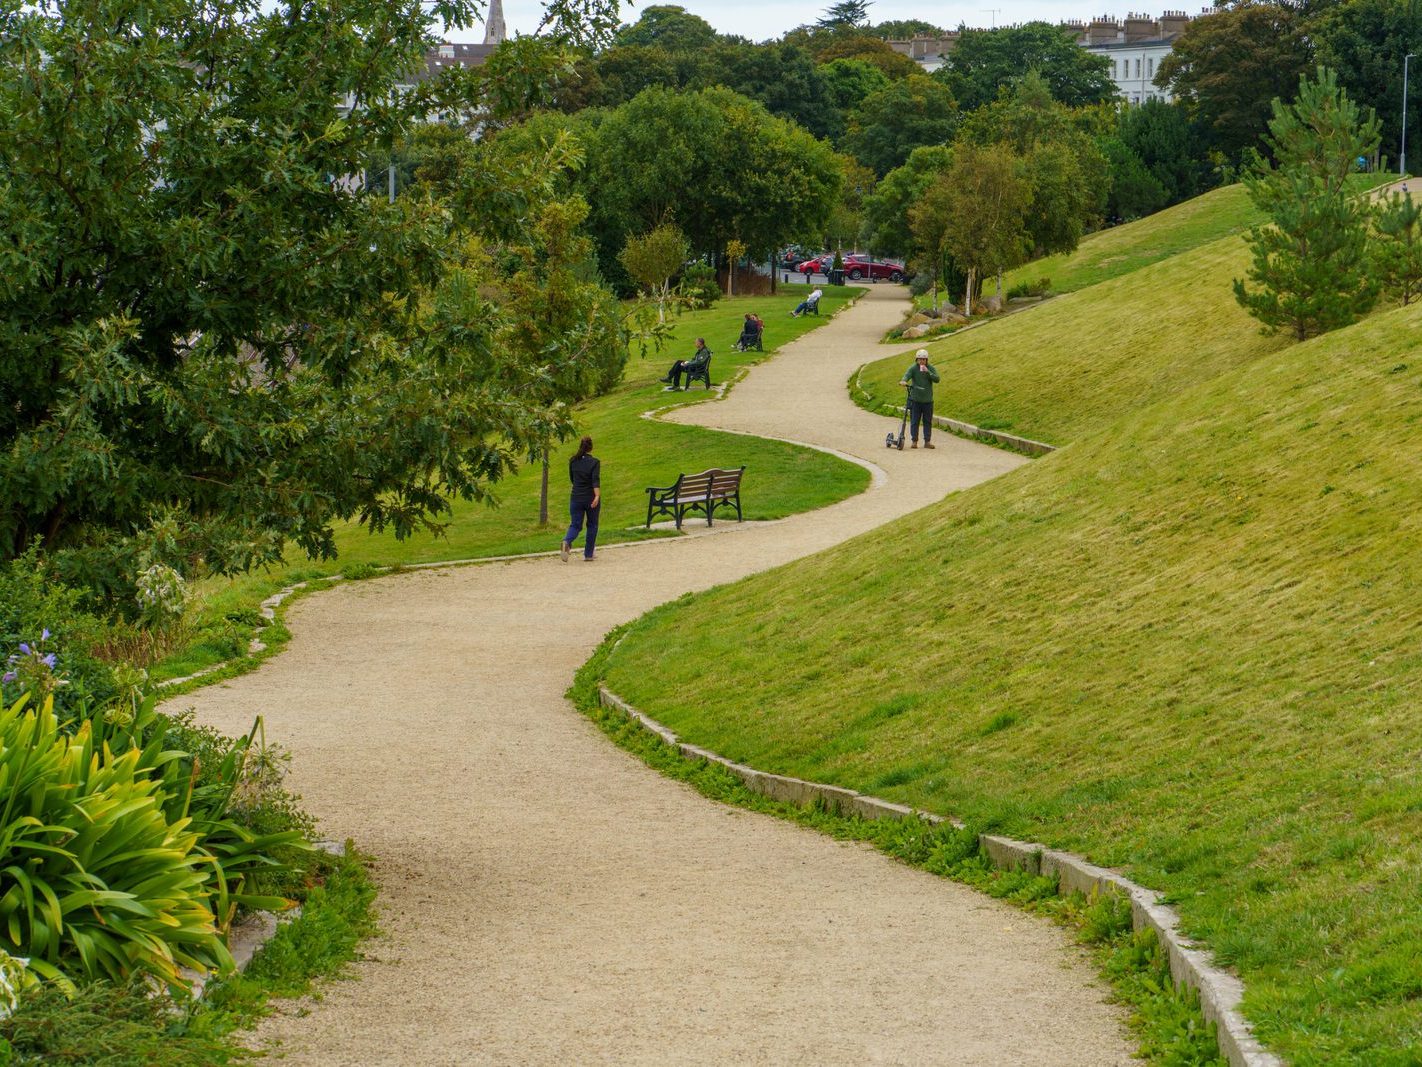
{"x": 1220, "y": 992}
{"x": 967, "y": 429}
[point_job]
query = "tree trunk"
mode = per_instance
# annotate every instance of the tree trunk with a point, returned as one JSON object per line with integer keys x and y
{"x": 999, "y": 283}
{"x": 968, "y": 293}
{"x": 543, "y": 493}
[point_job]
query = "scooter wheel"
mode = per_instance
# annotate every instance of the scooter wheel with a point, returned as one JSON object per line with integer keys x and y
{"x": 889, "y": 440}
{"x": 901, "y": 444}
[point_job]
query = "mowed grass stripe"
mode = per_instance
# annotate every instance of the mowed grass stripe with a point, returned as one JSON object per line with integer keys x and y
{"x": 1188, "y": 646}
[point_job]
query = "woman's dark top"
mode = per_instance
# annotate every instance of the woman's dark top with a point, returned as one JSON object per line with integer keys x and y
{"x": 585, "y": 473}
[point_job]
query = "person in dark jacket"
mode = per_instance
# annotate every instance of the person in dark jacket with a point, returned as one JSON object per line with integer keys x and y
{"x": 920, "y": 378}
{"x": 585, "y": 500}
{"x": 699, "y": 359}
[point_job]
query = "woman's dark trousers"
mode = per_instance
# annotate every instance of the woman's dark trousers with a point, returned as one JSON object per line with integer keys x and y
{"x": 580, "y": 511}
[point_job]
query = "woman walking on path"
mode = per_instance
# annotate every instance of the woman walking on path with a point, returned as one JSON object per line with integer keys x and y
{"x": 585, "y": 501}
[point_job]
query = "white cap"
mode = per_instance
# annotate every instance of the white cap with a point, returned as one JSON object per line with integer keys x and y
{"x": 922, "y": 353}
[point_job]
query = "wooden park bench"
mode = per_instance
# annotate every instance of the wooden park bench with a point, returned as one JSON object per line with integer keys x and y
{"x": 704, "y": 492}
{"x": 698, "y": 371}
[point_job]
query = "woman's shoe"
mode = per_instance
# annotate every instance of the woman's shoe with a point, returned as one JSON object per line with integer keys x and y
{"x": 564, "y": 549}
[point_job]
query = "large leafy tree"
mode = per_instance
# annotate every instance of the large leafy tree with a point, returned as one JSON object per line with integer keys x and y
{"x": 985, "y": 61}
{"x": 977, "y": 213}
{"x": 208, "y": 327}
{"x": 715, "y": 163}
{"x": 1228, "y": 67}
{"x": 885, "y": 227}
{"x": 1310, "y": 272}
{"x": 1365, "y": 42}
{"x": 904, "y": 29}
{"x": 1161, "y": 135}
{"x": 1061, "y": 155}
{"x": 668, "y": 26}
{"x": 891, "y": 122}
{"x": 783, "y": 77}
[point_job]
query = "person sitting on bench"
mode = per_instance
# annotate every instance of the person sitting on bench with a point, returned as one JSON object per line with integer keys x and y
{"x": 750, "y": 334}
{"x": 698, "y": 359}
{"x": 810, "y": 303}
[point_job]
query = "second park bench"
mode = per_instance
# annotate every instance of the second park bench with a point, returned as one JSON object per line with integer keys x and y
{"x": 704, "y": 492}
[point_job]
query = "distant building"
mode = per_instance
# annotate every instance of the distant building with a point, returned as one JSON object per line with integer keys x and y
{"x": 1134, "y": 49}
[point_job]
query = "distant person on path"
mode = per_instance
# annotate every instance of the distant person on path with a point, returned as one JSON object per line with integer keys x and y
{"x": 920, "y": 378}
{"x": 810, "y": 303}
{"x": 699, "y": 359}
{"x": 585, "y": 501}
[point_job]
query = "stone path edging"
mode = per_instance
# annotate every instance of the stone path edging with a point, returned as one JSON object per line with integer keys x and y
{"x": 1220, "y": 992}
{"x": 966, "y": 429}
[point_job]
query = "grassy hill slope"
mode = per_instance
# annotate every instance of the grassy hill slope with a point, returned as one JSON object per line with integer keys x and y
{"x": 1120, "y": 250}
{"x": 1189, "y": 646}
{"x": 1054, "y": 371}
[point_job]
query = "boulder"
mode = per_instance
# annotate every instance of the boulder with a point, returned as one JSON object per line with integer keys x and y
{"x": 992, "y": 304}
{"x": 918, "y": 319}
{"x": 954, "y": 317}
{"x": 913, "y": 333}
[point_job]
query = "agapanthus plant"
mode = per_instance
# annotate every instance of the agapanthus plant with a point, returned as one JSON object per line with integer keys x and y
{"x": 32, "y": 670}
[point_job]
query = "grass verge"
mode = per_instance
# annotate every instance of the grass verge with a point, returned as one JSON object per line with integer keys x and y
{"x": 781, "y": 479}
{"x": 1165, "y": 1019}
{"x": 125, "y": 1026}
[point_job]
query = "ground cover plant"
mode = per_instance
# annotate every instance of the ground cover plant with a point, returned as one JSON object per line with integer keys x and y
{"x": 781, "y": 479}
{"x": 1186, "y": 646}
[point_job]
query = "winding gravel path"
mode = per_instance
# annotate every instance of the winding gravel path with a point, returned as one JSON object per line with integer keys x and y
{"x": 548, "y": 899}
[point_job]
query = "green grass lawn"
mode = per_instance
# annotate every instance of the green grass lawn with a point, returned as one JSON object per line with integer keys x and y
{"x": 780, "y": 479}
{"x": 1188, "y": 646}
{"x": 1056, "y": 370}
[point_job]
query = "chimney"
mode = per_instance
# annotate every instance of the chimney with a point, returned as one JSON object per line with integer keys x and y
{"x": 1103, "y": 30}
{"x": 1139, "y": 28}
{"x": 1172, "y": 24}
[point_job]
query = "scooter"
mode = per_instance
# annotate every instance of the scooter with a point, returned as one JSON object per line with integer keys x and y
{"x": 890, "y": 441}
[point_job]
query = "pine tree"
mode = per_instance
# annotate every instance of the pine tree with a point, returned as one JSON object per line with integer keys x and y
{"x": 1310, "y": 268}
{"x": 845, "y": 14}
{"x": 1397, "y": 246}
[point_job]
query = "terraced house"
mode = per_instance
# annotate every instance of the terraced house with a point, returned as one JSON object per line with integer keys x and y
{"x": 1134, "y": 47}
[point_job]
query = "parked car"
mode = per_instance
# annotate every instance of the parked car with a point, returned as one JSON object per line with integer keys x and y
{"x": 791, "y": 258}
{"x": 817, "y": 265}
{"x": 857, "y": 265}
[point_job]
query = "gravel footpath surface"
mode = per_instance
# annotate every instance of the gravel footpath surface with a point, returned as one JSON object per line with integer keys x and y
{"x": 546, "y": 898}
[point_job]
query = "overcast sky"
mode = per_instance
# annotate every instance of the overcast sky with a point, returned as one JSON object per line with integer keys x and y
{"x": 762, "y": 19}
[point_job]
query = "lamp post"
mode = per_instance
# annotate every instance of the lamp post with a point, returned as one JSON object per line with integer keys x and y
{"x": 1402, "y": 162}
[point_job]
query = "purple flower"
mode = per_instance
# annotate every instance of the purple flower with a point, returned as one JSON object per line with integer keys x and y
{"x": 48, "y": 660}
{"x": 24, "y": 649}
{"x": 9, "y": 677}
{"x": 44, "y": 635}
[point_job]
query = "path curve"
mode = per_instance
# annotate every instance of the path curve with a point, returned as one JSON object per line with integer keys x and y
{"x": 548, "y": 899}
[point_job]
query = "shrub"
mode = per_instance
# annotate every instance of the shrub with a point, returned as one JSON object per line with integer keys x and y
{"x": 31, "y": 602}
{"x": 921, "y": 282}
{"x": 699, "y": 285}
{"x": 1041, "y": 287}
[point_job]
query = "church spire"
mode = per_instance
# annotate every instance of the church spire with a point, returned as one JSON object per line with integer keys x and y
{"x": 494, "y": 31}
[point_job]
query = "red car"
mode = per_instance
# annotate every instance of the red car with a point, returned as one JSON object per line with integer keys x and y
{"x": 858, "y": 266}
{"x": 818, "y": 265}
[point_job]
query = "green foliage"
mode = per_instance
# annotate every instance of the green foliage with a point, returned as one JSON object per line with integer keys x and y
{"x": 1397, "y": 246}
{"x": 713, "y": 162}
{"x": 654, "y": 258}
{"x": 699, "y": 285}
{"x": 904, "y": 29}
{"x": 985, "y": 63}
{"x": 1065, "y": 168}
{"x": 891, "y": 122}
{"x": 977, "y": 213}
{"x": 886, "y": 226}
{"x": 1365, "y": 42}
{"x": 669, "y": 27}
{"x": 125, "y": 1025}
{"x": 203, "y": 333}
{"x": 33, "y": 601}
{"x": 849, "y": 81}
{"x": 1161, "y": 135}
{"x": 1310, "y": 268}
{"x": 1134, "y": 190}
{"x": 1228, "y": 66}
{"x": 846, "y": 14}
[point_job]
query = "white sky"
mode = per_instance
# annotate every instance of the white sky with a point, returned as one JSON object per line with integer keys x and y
{"x": 763, "y": 19}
